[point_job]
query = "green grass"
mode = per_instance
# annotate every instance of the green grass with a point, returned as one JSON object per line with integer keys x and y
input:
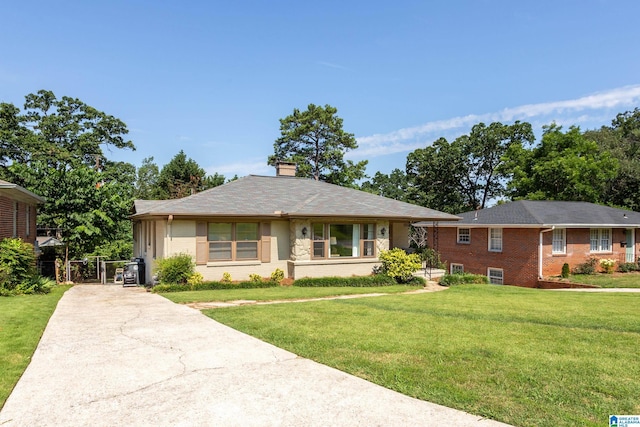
{"x": 522, "y": 356}
{"x": 22, "y": 322}
{"x": 279, "y": 293}
{"x": 616, "y": 280}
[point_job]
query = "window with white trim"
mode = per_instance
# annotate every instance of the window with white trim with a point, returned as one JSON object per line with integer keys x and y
{"x": 495, "y": 239}
{"x": 229, "y": 241}
{"x": 457, "y": 268}
{"x": 464, "y": 235}
{"x": 559, "y": 243}
{"x": 600, "y": 240}
{"x": 343, "y": 240}
{"x": 496, "y": 276}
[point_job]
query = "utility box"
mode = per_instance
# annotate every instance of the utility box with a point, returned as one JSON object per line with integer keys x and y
{"x": 134, "y": 273}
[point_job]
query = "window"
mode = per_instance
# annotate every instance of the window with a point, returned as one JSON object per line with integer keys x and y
{"x": 457, "y": 269}
{"x": 600, "y": 240}
{"x": 496, "y": 276}
{"x": 559, "y": 244}
{"x": 343, "y": 240}
{"x": 233, "y": 241}
{"x": 495, "y": 239}
{"x": 464, "y": 235}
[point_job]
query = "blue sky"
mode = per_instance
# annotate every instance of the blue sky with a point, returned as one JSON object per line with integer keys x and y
{"x": 213, "y": 77}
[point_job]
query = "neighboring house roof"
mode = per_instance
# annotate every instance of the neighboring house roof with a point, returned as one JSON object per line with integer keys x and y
{"x": 16, "y": 192}
{"x": 287, "y": 197}
{"x": 47, "y": 241}
{"x": 535, "y": 214}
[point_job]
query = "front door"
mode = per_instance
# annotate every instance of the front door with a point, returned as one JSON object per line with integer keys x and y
{"x": 631, "y": 245}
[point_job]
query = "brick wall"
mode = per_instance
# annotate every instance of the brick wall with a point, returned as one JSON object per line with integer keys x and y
{"x": 7, "y": 207}
{"x": 520, "y": 252}
{"x": 518, "y": 259}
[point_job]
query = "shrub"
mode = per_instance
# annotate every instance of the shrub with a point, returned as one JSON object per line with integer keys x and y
{"x": 17, "y": 263}
{"x": 226, "y": 277}
{"x": 195, "y": 279}
{"x": 398, "y": 264}
{"x": 587, "y": 267}
{"x": 36, "y": 285}
{"x": 277, "y": 276}
{"x": 608, "y": 265}
{"x": 565, "y": 271}
{"x": 175, "y": 269}
{"x": 255, "y": 278}
{"x": 626, "y": 267}
{"x": 432, "y": 258}
{"x": 354, "y": 281}
{"x": 170, "y": 288}
{"x": 463, "y": 279}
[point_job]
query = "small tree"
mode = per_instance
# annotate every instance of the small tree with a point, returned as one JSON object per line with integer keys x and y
{"x": 400, "y": 265}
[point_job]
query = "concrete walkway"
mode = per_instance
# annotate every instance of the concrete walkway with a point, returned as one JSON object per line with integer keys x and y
{"x": 113, "y": 356}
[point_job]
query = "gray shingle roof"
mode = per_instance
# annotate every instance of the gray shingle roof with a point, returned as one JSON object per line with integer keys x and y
{"x": 549, "y": 213}
{"x": 286, "y": 196}
{"x": 20, "y": 193}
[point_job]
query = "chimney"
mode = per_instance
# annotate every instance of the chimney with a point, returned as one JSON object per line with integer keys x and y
{"x": 285, "y": 169}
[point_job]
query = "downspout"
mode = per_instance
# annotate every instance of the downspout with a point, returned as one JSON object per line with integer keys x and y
{"x": 540, "y": 251}
{"x": 169, "y": 236}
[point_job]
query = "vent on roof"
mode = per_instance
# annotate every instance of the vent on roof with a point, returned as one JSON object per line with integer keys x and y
{"x": 285, "y": 169}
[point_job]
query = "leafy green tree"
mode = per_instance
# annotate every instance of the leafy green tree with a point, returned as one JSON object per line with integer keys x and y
{"x": 393, "y": 186}
{"x": 55, "y": 148}
{"x": 147, "y": 177}
{"x": 485, "y": 150}
{"x": 435, "y": 176}
{"x": 315, "y": 141}
{"x": 622, "y": 140}
{"x": 182, "y": 177}
{"x": 468, "y": 172}
{"x": 565, "y": 166}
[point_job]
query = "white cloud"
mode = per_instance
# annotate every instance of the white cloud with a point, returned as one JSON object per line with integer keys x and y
{"x": 584, "y": 110}
{"x": 332, "y": 65}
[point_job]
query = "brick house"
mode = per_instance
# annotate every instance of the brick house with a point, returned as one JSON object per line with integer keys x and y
{"x": 256, "y": 224}
{"x": 18, "y": 212}
{"x": 519, "y": 243}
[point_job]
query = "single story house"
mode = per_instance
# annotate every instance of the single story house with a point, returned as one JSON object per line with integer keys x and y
{"x": 18, "y": 209}
{"x": 522, "y": 242}
{"x": 257, "y": 224}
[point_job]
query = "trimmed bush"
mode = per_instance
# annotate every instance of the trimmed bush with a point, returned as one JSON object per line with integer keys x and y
{"x": 226, "y": 277}
{"x": 400, "y": 265}
{"x": 195, "y": 279}
{"x": 204, "y": 286}
{"x": 463, "y": 279}
{"x": 587, "y": 267}
{"x": 626, "y": 267}
{"x": 565, "y": 271}
{"x": 175, "y": 269}
{"x": 354, "y": 281}
{"x": 255, "y": 278}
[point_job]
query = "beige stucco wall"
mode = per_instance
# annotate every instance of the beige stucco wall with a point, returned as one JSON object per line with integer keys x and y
{"x": 290, "y": 251}
{"x": 240, "y": 270}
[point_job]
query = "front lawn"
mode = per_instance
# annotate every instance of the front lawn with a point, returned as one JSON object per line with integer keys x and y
{"x": 22, "y": 322}
{"x": 279, "y": 293}
{"x": 615, "y": 280}
{"x": 522, "y": 356}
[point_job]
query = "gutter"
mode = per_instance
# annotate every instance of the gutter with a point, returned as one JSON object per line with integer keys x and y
{"x": 540, "y": 250}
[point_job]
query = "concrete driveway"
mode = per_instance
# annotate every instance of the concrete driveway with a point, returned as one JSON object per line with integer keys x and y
{"x": 113, "y": 356}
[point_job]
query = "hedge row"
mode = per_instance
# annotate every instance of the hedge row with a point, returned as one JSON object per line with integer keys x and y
{"x": 463, "y": 279}
{"x": 213, "y": 285}
{"x": 355, "y": 281}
